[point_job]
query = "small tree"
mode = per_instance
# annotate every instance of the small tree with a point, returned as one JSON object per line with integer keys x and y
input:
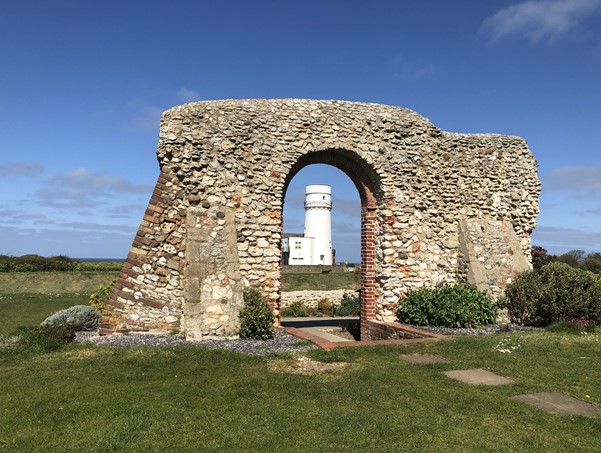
{"x": 256, "y": 317}
{"x": 540, "y": 256}
{"x": 572, "y": 258}
{"x": 592, "y": 262}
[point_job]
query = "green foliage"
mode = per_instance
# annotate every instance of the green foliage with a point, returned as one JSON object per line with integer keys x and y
{"x": 460, "y": 305}
{"x": 256, "y": 316}
{"x": 59, "y": 263}
{"x": 572, "y": 258}
{"x": 99, "y": 297}
{"x": 78, "y": 317}
{"x": 38, "y": 340}
{"x": 540, "y": 257}
{"x": 350, "y": 305}
{"x": 554, "y": 293}
{"x": 324, "y": 306}
{"x": 592, "y": 262}
{"x": 100, "y": 266}
{"x": 295, "y": 310}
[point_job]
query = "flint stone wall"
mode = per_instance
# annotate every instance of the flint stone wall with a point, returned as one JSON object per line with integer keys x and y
{"x": 437, "y": 207}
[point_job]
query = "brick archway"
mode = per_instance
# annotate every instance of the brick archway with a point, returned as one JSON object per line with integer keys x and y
{"x": 437, "y": 208}
{"x": 367, "y": 183}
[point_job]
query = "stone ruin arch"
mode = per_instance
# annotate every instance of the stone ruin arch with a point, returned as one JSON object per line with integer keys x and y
{"x": 436, "y": 207}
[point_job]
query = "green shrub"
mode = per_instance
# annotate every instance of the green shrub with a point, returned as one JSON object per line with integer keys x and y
{"x": 295, "y": 310}
{"x": 460, "y": 305}
{"x": 78, "y": 317}
{"x": 350, "y": 305}
{"x": 256, "y": 317}
{"x": 99, "y": 297}
{"x": 324, "y": 306}
{"x": 554, "y": 293}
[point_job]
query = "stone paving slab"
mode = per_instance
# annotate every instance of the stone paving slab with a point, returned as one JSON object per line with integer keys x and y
{"x": 558, "y": 403}
{"x": 320, "y": 332}
{"x": 478, "y": 376}
{"x": 423, "y": 358}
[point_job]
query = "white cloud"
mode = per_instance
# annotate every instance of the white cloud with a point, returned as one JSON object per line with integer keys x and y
{"x": 539, "y": 19}
{"x": 408, "y": 70}
{"x": 99, "y": 227}
{"x": 585, "y": 182}
{"x": 21, "y": 169}
{"x": 82, "y": 188}
{"x": 350, "y": 208}
{"x": 147, "y": 118}
{"x": 561, "y": 240}
{"x": 70, "y": 242}
{"x": 186, "y": 95}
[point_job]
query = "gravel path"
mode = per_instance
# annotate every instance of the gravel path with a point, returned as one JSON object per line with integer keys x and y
{"x": 281, "y": 342}
{"x": 482, "y": 330}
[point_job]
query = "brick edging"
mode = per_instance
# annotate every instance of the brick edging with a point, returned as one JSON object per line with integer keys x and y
{"x": 329, "y": 345}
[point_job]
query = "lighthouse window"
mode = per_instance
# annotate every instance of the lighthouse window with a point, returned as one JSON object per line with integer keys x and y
{"x": 297, "y": 244}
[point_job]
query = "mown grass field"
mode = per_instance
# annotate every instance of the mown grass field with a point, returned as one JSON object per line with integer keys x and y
{"x": 335, "y": 280}
{"x": 191, "y": 399}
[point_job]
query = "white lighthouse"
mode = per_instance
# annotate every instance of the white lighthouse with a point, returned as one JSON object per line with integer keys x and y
{"x": 318, "y": 224}
{"x": 314, "y": 247}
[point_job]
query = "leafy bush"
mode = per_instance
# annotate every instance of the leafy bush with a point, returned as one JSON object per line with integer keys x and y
{"x": 256, "y": 317}
{"x": 78, "y": 317}
{"x": 554, "y": 293}
{"x": 350, "y": 305}
{"x": 460, "y": 305}
{"x": 295, "y": 310}
{"x": 324, "y": 306}
{"x": 99, "y": 297}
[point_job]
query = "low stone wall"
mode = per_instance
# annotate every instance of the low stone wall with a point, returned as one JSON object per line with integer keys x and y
{"x": 310, "y": 298}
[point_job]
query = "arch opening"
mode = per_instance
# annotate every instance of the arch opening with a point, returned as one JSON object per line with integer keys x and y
{"x": 367, "y": 183}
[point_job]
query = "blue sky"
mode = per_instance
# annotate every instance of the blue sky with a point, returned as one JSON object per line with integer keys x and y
{"x": 83, "y": 85}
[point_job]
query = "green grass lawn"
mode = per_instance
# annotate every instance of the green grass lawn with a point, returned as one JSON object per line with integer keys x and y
{"x": 194, "y": 399}
{"x": 31, "y": 309}
{"x": 53, "y": 282}
{"x": 334, "y": 280}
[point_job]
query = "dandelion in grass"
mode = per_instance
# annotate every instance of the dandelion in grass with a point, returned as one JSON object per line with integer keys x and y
{"x": 507, "y": 345}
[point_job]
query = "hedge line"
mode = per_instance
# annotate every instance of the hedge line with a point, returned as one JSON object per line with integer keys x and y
{"x": 60, "y": 263}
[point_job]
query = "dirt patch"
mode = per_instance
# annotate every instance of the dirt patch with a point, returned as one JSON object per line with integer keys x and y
{"x": 305, "y": 365}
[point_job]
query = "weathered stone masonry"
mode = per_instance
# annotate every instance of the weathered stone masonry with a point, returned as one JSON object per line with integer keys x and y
{"x": 437, "y": 207}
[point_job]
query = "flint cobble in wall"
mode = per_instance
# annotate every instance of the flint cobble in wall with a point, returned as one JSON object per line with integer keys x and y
{"x": 437, "y": 203}
{"x": 311, "y": 298}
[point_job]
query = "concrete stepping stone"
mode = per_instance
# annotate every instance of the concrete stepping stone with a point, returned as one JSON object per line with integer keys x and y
{"x": 423, "y": 358}
{"x": 478, "y": 376}
{"x": 558, "y": 403}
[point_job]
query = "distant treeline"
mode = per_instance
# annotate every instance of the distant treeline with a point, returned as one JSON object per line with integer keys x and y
{"x": 60, "y": 263}
{"x": 575, "y": 258}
